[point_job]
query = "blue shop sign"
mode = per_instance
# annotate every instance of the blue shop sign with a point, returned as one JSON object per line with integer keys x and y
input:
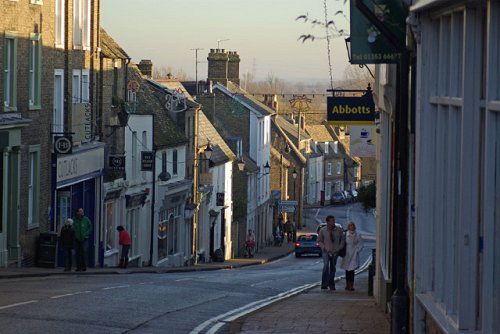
{"x": 354, "y": 110}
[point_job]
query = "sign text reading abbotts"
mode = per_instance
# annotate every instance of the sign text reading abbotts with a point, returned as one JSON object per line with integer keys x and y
{"x": 350, "y": 110}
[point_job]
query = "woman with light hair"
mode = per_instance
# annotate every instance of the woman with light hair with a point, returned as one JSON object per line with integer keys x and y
{"x": 350, "y": 262}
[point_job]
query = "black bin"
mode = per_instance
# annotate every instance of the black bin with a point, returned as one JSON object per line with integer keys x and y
{"x": 47, "y": 250}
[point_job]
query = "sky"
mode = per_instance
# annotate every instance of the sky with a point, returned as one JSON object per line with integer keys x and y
{"x": 264, "y": 33}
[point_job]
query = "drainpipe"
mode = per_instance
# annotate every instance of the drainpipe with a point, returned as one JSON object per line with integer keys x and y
{"x": 153, "y": 196}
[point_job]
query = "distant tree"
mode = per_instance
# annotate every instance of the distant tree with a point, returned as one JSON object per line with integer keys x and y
{"x": 367, "y": 195}
{"x": 163, "y": 73}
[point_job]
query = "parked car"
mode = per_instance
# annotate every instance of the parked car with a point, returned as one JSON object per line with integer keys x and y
{"x": 348, "y": 196}
{"x": 307, "y": 244}
{"x": 338, "y": 198}
{"x": 354, "y": 194}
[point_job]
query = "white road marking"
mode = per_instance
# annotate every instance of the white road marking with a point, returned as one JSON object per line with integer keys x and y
{"x": 236, "y": 313}
{"x": 217, "y": 322}
{"x": 70, "y": 294}
{"x": 143, "y": 283}
{"x": 17, "y": 304}
{"x": 183, "y": 279}
{"x": 116, "y": 287}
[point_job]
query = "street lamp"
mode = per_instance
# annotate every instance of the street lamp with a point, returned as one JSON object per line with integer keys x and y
{"x": 267, "y": 170}
{"x": 241, "y": 165}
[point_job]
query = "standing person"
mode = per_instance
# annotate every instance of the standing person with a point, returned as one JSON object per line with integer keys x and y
{"x": 250, "y": 244}
{"x": 83, "y": 229}
{"x": 124, "y": 240}
{"x": 350, "y": 262}
{"x": 331, "y": 240}
{"x": 67, "y": 243}
{"x": 289, "y": 230}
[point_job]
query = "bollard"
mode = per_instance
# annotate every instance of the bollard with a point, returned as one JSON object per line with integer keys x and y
{"x": 371, "y": 273}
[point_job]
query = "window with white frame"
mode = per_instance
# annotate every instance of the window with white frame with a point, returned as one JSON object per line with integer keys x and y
{"x": 59, "y": 26}
{"x": 35, "y": 67}
{"x": 339, "y": 168}
{"x": 109, "y": 223}
{"x": 10, "y": 72}
{"x": 81, "y": 24}
{"x": 326, "y": 147}
{"x": 133, "y": 229}
{"x": 135, "y": 160}
{"x": 85, "y": 86}
{"x": 144, "y": 147}
{"x": 36, "y": 2}
{"x": 336, "y": 147}
{"x": 76, "y": 91}
{"x": 34, "y": 186}
{"x": 58, "y": 102}
{"x": 174, "y": 162}
{"x": 328, "y": 190}
{"x": 329, "y": 168}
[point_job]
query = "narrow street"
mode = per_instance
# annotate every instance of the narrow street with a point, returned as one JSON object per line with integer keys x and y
{"x": 157, "y": 303}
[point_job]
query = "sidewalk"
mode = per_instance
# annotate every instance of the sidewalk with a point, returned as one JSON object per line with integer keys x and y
{"x": 320, "y": 311}
{"x": 264, "y": 255}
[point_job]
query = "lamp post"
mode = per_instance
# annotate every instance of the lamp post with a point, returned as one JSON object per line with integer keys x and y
{"x": 294, "y": 175}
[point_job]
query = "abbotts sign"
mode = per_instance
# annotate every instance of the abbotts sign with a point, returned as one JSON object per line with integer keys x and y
{"x": 354, "y": 110}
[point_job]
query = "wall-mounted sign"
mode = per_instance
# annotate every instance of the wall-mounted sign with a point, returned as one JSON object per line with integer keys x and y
{"x": 79, "y": 165}
{"x": 351, "y": 109}
{"x": 116, "y": 162}
{"x": 147, "y": 161}
{"x": 287, "y": 206}
{"x": 63, "y": 145}
{"x": 368, "y": 45}
{"x": 361, "y": 141}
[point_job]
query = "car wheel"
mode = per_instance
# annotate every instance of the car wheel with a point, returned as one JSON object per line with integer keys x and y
{"x": 297, "y": 255}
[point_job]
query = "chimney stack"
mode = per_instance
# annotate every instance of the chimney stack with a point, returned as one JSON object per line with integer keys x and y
{"x": 146, "y": 68}
{"x": 217, "y": 66}
{"x": 233, "y": 67}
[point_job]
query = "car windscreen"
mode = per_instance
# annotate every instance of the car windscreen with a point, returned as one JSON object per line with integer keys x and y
{"x": 308, "y": 237}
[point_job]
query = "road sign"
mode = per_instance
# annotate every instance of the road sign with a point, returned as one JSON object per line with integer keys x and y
{"x": 287, "y": 206}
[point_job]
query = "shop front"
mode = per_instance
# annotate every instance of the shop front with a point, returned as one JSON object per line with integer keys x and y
{"x": 78, "y": 184}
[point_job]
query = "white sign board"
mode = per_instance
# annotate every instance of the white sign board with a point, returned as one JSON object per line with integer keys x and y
{"x": 79, "y": 164}
{"x": 361, "y": 141}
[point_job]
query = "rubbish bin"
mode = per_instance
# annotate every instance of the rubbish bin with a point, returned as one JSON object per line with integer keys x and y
{"x": 47, "y": 250}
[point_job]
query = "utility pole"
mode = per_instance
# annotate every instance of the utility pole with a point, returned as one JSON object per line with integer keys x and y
{"x": 196, "y": 66}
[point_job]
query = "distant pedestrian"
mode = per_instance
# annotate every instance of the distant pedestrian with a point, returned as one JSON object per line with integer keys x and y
{"x": 67, "y": 243}
{"x": 331, "y": 240}
{"x": 250, "y": 244}
{"x": 83, "y": 230}
{"x": 124, "y": 240}
{"x": 350, "y": 262}
{"x": 289, "y": 230}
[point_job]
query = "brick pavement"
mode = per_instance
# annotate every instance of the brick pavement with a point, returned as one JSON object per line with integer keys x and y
{"x": 320, "y": 311}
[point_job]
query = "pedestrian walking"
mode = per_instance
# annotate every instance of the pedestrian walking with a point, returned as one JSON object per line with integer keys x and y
{"x": 83, "y": 229}
{"x": 350, "y": 262}
{"x": 67, "y": 243}
{"x": 124, "y": 240}
{"x": 250, "y": 244}
{"x": 331, "y": 241}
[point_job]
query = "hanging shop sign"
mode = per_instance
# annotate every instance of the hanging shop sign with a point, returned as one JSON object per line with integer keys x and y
{"x": 361, "y": 141}
{"x": 147, "y": 161}
{"x": 63, "y": 144}
{"x": 368, "y": 45}
{"x": 343, "y": 108}
{"x": 116, "y": 162}
{"x": 219, "y": 200}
